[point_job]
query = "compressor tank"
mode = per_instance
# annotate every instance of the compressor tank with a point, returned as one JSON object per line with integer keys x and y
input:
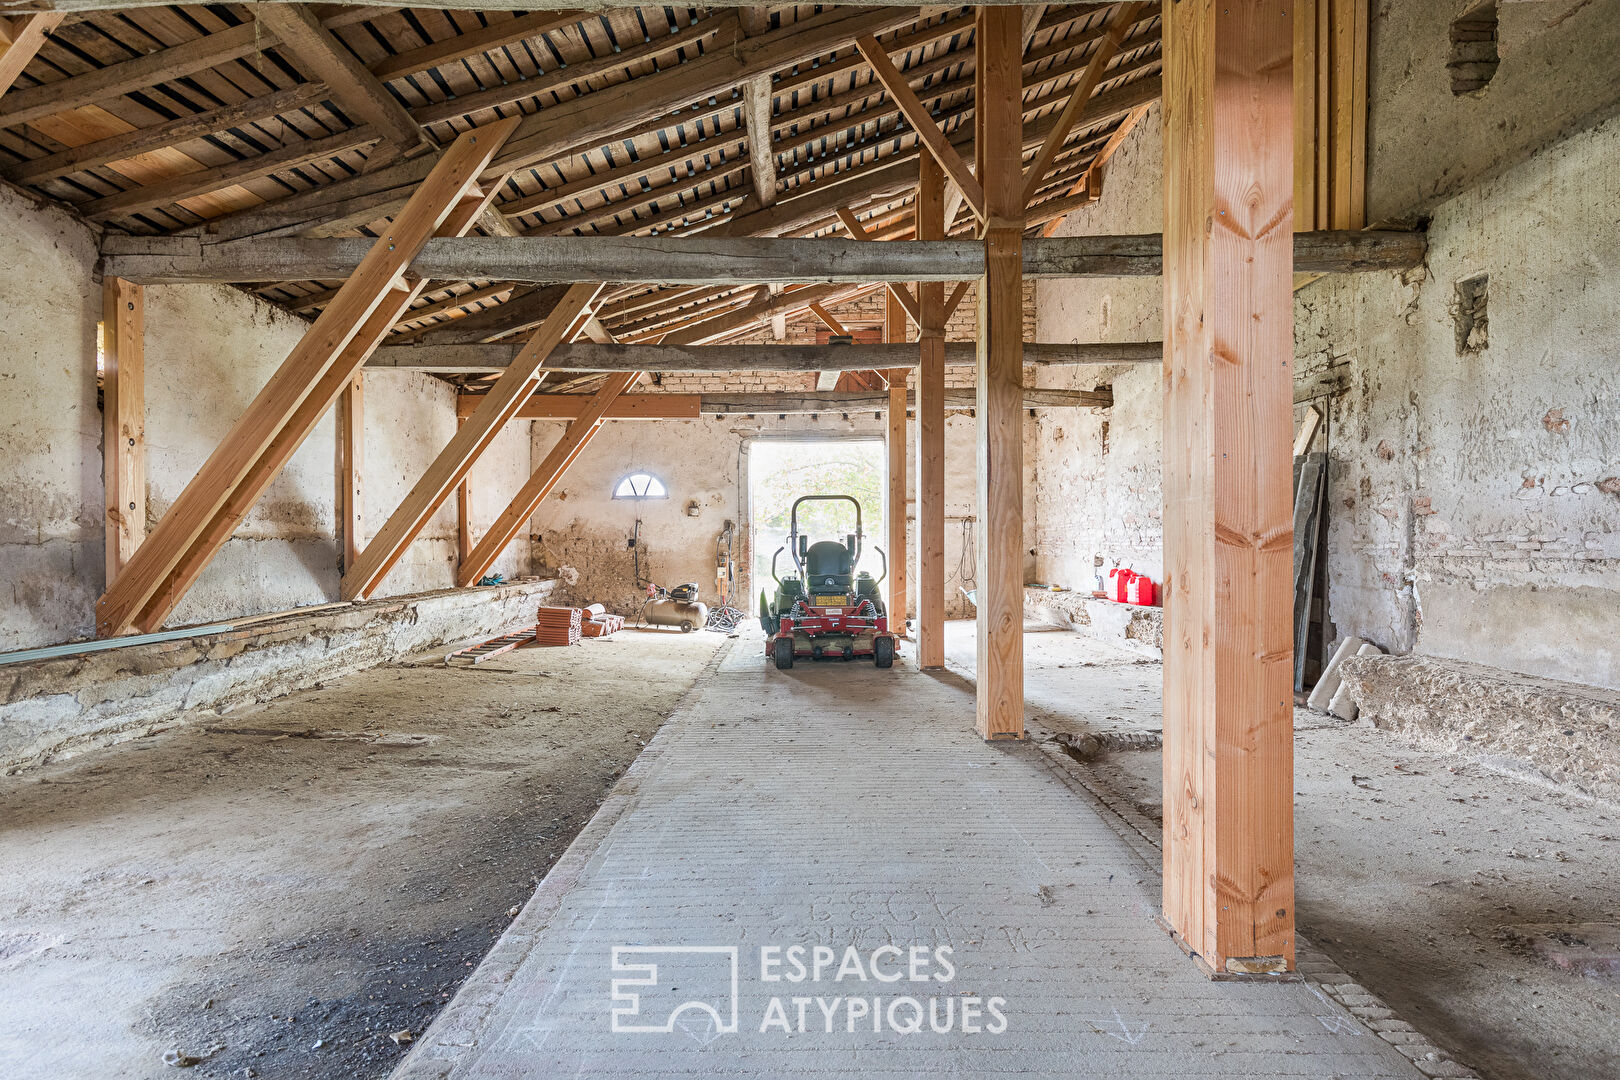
{"x": 689, "y": 615}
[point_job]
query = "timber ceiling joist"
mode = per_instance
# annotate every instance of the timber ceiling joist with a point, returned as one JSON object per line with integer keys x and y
{"x": 232, "y": 120}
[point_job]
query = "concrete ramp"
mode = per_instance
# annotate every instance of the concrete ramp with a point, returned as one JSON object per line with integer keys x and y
{"x": 970, "y": 914}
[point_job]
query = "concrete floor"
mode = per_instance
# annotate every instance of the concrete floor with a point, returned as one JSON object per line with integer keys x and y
{"x": 853, "y": 810}
{"x": 281, "y": 893}
{"x": 1433, "y": 880}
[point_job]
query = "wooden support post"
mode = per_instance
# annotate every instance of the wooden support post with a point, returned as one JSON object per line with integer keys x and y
{"x": 312, "y": 377}
{"x": 894, "y": 330}
{"x": 464, "y": 536}
{"x": 545, "y": 477}
{"x": 1000, "y": 391}
{"x": 498, "y": 406}
{"x": 931, "y": 429}
{"x": 1228, "y": 433}
{"x": 352, "y": 430}
{"x": 123, "y": 419}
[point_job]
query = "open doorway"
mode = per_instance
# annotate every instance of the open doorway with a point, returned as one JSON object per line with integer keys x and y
{"x": 781, "y": 470}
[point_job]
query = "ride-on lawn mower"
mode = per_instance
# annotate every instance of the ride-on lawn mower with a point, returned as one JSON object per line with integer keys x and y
{"x": 827, "y": 612}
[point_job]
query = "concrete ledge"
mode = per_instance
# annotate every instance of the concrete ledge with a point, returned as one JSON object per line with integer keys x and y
{"x": 1563, "y": 732}
{"x": 1099, "y": 618}
{"x": 75, "y": 702}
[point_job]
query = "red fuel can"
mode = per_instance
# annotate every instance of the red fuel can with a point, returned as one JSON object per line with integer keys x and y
{"x": 1119, "y": 585}
{"x": 1140, "y": 590}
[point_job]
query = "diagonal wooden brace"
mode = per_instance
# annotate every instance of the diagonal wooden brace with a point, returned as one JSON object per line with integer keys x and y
{"x": 545, "y": 477}
{"x": 566, "y": 321}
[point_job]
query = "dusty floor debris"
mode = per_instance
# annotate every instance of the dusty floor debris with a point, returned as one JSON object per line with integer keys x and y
{"x": 298, "y": 892}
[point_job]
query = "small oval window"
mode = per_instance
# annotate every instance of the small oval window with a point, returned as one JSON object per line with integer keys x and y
{"x": 640, "y": 486}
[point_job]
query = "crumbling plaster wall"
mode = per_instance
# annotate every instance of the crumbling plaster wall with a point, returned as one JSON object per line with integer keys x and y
{"x": 410, "y": 418}
{"x": 50, "y": 427}
{"x": 1557, "y": 75}
{"x": 1475, "y": 494}
{"x": 1090, "y": 501}
{"x": 1474, "y": 500}
{"x": 208, "y": 351}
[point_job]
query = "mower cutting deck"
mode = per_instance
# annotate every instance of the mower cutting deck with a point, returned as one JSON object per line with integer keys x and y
{"x": 828, "y": 611}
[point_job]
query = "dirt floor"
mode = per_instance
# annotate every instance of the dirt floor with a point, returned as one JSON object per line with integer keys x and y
{"x": 296, "y": 891}
{"x": 1452, "y": 891}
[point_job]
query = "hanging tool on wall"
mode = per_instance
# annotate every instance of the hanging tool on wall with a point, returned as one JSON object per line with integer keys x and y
{"x": 725, "y": 569}
{"x": 725, "y": 618}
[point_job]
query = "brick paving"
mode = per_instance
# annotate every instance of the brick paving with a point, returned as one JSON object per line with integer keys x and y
{"x": 846, "y": 808}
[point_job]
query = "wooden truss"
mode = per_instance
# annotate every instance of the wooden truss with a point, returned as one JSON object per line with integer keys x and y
{"x": 278, "y": 420}
{"x": 501, "y": 404}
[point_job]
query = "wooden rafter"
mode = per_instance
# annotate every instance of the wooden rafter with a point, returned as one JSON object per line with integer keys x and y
{"x": 20, "y": 40}
{"x": 1090, "y": 184}
{"x": 355, "y": 88}
{"x": 1124, "y": 19}
{"x": 933, "y": 139}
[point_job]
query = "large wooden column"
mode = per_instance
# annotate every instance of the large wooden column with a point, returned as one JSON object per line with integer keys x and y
{"x": 931, "y": 428}
{"x": 1000, "y": 392}
{"x": 894, "y": 330}
{"x": 123, "y": 419}
{"x": 1229, "y": 350}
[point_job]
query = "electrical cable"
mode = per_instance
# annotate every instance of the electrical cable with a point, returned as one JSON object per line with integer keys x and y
{"x": 967, "y": 561}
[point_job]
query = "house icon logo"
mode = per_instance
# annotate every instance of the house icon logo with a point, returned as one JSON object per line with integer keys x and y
{"x": 704, "y": 978}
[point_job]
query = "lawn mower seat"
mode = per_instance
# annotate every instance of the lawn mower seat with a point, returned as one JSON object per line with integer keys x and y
{"x": 829, "y": 559}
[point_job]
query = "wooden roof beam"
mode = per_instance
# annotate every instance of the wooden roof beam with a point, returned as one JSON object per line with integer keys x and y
{"x": 704, "y": 259}
{"x": 593, "y": 117}
{"x": 918, "y": 116}
{"x": 492, "y": 358}
{"x": 657, "y": 406}
{"x": 355, "y": 88}
{"x": 163, "y": 65}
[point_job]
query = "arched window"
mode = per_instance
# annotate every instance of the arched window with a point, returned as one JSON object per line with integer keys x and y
{"x": 640, "y": 485}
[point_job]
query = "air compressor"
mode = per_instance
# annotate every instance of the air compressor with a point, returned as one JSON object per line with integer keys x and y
{"x": 679, "y": 606}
